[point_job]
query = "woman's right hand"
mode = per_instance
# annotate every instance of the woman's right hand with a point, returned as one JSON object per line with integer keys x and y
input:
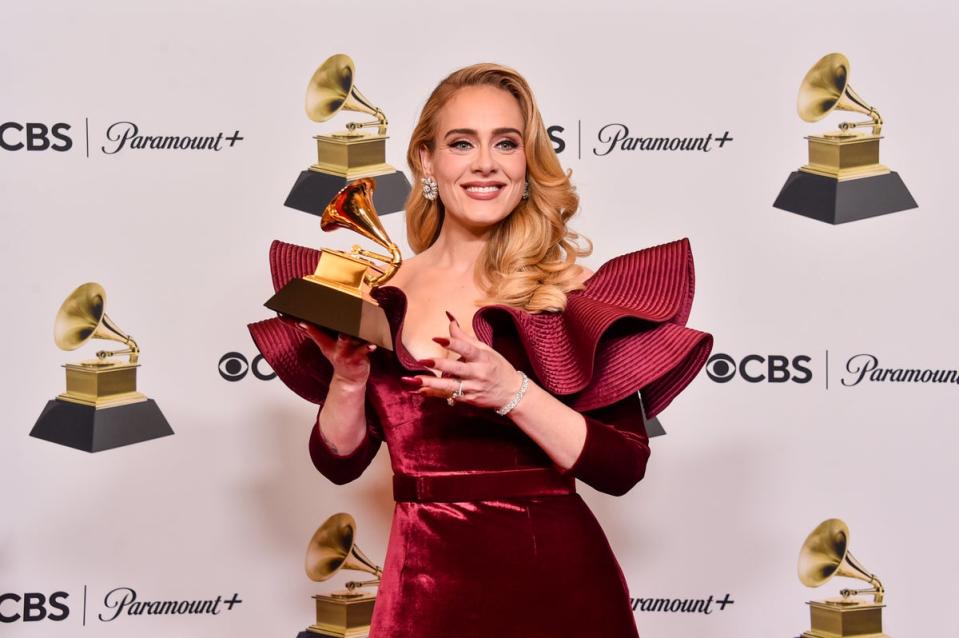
{"x": 349, "y": 355}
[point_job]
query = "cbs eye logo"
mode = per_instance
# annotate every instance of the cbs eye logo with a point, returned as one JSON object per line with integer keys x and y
{"x": 756, "y": 368}
{"x": 234, "y": 366}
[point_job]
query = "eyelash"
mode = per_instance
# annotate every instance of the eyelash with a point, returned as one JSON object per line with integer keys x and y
{"x": 456, "y": 145}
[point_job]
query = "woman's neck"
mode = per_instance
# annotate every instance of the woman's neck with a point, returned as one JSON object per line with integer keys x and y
{"x": 457, "y": 249}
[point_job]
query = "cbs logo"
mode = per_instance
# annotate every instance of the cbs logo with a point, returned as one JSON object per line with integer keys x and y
{"x": 234, "y": 366}
{"x": 555, "y": 134}
{"x": 35, "y": 136}
{"x": 756, "y": 368}
{"x": 33, "y": 607}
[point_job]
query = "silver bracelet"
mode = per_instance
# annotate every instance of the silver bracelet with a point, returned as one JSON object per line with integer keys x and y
{"x": 516, "y": 397}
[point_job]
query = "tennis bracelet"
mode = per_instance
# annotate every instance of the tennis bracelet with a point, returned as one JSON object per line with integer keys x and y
{"x": 516, "y": 397}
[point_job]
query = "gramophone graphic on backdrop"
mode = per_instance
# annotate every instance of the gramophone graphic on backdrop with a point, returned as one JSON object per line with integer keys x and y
{"x": 345, "y": 613}
{"x": 350, "y": 154}
{"x": 101, "y": 408}
{"x": 843, "y": 180}
{"x": 825, "y": 554}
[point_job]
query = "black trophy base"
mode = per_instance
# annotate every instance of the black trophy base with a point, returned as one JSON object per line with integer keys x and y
{"x": 313, "y": 191}
{"x": 835, "y": 202}
{"x": 86, "y": 428}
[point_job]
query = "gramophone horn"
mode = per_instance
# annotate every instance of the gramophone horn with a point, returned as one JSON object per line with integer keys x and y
{"x": 352, "y": 208}
{"x": 331, "y": 89}
{"x": 82, "y": 317}
{"x": 826, "y": 88}
{"x": 333, "y": 547}
{"x": 825, "y": 554}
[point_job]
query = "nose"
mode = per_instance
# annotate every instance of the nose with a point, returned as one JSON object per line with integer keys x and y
{"x": 483, "y": 160}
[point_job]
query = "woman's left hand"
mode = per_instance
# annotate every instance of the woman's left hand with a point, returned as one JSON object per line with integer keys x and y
{"x": 489, "y": 380}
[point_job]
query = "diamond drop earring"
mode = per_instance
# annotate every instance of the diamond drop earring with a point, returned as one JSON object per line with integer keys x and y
{"x": 526, "y": 190}
{"x": 430, "y": 189}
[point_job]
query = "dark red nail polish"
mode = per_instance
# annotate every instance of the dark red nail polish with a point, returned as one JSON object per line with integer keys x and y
{"x": 412, "y": 382}
{"x": 429, "y": 363}
{"x": 443, "y": 341}
{"x": 452, "y": 318}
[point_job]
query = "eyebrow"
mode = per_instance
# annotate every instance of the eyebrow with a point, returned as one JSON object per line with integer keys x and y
{"x": 470, "y": 131}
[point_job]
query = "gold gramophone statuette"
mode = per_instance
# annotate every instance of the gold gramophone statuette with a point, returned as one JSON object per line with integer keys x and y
{"x": 101, "y": 407}
{"x": 344, "y": 613}
{"x": 350, "y": 154}
{"x": 843, "y": 180}
{"x": 337, "y": 294}
{"x": 825, "y": 554}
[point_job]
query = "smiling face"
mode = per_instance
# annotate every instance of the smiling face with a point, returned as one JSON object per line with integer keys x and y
{"x": 478, "y": 160}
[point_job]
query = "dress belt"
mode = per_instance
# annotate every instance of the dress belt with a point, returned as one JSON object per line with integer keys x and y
{"x": 482, "y": 486}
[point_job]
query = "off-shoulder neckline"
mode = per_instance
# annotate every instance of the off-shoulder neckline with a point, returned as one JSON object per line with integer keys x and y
{"x": 397, "y": 321}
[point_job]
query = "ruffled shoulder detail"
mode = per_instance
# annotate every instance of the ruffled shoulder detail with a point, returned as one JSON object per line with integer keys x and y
{"x": 624, "y": 332}
{"x": 294, "y": 357}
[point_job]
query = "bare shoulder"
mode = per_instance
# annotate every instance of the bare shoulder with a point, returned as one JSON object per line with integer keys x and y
{"x": 583, "y": 274}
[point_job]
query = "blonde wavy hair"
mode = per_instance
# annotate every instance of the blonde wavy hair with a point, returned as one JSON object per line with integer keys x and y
{"x": 530, "y": 260}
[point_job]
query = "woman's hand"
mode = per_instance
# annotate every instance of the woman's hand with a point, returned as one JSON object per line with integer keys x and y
{"x": 349, "y": 355}
{"x": 489, "y": 380}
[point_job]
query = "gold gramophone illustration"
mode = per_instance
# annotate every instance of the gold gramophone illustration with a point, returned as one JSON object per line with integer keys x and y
{"x": 350, "y": 154}
{"x": 337, "y": 294}
{"x": 843, "y": 180}
{"x": 825, "y": 554}
{"x": 344, "y": 613}
{"x": 101, "y": 407}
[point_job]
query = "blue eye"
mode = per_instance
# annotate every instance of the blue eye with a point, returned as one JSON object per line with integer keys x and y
{"x": 461, "y": 145}
{"x": 507, "y": 145}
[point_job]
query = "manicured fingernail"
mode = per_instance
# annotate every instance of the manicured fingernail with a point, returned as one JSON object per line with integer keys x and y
{"x": 452, "y": 318}
{"x": 429, "y": 363}
{"x": 412, "y": 382}
{"x": 443, "y": 341}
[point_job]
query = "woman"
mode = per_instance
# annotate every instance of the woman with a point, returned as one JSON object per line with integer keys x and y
{"x": 492, "y": 409}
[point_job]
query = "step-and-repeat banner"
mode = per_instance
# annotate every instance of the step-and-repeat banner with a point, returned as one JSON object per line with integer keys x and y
{"x": 151, "y": 149}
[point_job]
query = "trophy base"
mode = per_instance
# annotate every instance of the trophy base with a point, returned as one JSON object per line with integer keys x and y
{"x": 341, "y": 617}
{"x": 853, "y": 619}
{"x": 313, "y": 191}
{"x": 840, "y": 201}
{"x": 92, "y": 429}
{"x": 331, "y": 308}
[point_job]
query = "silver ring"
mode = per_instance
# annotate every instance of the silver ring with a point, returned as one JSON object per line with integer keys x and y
{"x": 457, "y": 393}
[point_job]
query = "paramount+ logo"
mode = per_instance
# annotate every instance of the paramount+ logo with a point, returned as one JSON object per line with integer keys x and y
{"x": 123, "y": 136}
{"x": 119, "y": 603}
{"x": 759, "y": 368}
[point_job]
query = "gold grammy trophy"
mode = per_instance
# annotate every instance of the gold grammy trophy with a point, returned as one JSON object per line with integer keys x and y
{"x": 843, "y": 180}
{"x": 337, "y": 294}
{"x": 101, "y": 407}
{"x": 825, "y": 554}
{"x": 345, "y": 613}
{"x": 350, "y": 154}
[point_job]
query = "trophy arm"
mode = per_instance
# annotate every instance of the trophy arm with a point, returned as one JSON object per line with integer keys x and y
{"x": 856, "y": 103}
{"x": 131, "y": 349}
{"x": 394, "y": 261}
{"x": 356, "y": 584}
{"x": 877, "y": 590}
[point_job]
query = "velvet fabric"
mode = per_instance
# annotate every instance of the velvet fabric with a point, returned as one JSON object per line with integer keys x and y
{"x": 489, "y": 537}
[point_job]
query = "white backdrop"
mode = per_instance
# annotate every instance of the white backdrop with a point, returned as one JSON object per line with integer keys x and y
{"x": 179, "y": 239}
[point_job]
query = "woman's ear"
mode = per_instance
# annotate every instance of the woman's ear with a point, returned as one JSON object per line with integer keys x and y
{"x": 426, "y": 160}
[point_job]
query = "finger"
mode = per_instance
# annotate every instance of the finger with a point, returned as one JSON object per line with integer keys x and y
{"x": 442, "y": 388}
{"x": 323, "y": 339}
{"x": 441, "y": 385}
{"x": 467, "y": 350}
{"x": 452, "y": 368}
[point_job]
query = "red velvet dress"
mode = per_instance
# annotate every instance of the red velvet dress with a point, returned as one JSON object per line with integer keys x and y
{"x": 489, "y": 537}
